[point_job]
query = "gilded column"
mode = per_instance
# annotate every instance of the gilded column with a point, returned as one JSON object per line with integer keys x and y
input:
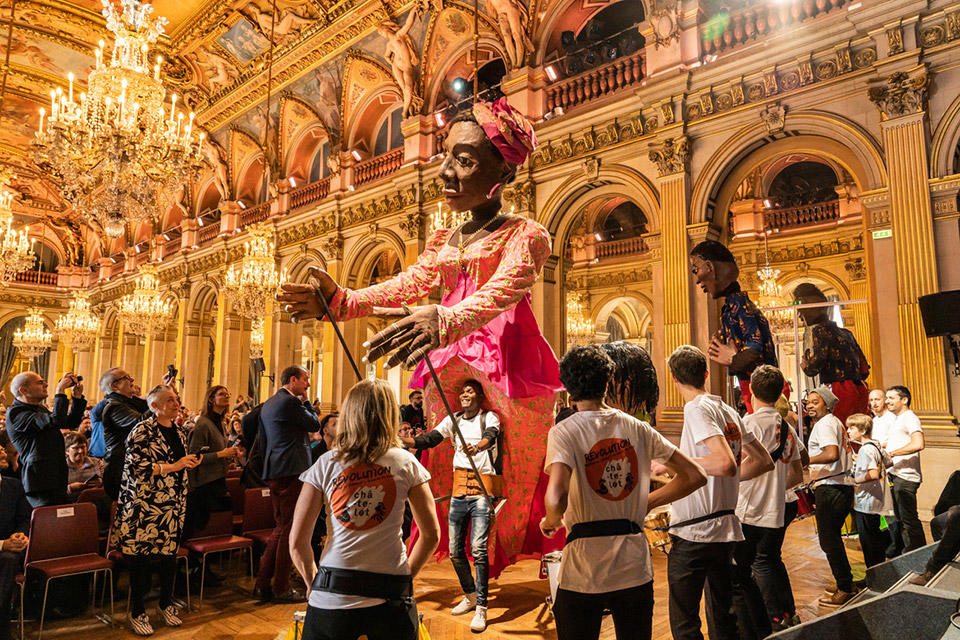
{"x": 220, "y": 338}
{"x": 145, "y": 380}
{"x": 902, "y": 100}
{"x": 118, "y": 352}
{"x": 269, "y": 365}
{"x": 183, "y": 301}
{"x": 338, "y": 375}
{"x": 860, "y": 290}
{"x": 671, "y": 156}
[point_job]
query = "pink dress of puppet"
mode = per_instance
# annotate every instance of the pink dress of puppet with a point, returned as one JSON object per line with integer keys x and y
{"x": 488, "y": 333}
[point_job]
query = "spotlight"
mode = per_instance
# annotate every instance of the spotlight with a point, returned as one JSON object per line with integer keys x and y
{"x": 355, "y": 154}
{"x": 438, "y": 118}
{"x": 767, "y": 204}
{"x": 567, "y": 38}
{"x": 598, "y": 237}
{"x": 242, "y": 206}
{"x": 590, "y": 58}
{"x": 611, "y": 52}
{"x": 293, "y": 182}
{"x": 200, "y": 221}
{"x": 459, "y": 85}
{"x": 551, "y": 73}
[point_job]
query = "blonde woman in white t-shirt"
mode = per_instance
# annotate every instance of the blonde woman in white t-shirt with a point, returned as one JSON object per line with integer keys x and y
{"x": 363, "y": 585}
{"x": 599, "y": 465}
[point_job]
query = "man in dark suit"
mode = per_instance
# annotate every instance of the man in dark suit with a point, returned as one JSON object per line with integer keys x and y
{"x": 285, "y": 421}
{"x": 35, "y": 432}
{"x": 14, "y": 525}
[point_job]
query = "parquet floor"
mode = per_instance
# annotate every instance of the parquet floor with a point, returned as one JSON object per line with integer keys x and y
{"x": 517, "y": 608}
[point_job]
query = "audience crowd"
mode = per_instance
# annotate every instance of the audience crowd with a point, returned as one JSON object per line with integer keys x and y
{"x": 157, "y": 470}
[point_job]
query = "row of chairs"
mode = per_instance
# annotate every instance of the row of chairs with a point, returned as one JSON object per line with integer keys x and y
{"x": 64, "y": 542}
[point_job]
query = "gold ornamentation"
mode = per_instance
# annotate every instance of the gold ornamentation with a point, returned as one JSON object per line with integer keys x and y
{"x": 580, "y": 328}
{"x": 932, "y": 36}
{"x": 856, "y": 269}
{"x": 902, "y": 95}
{"x": 895, "y": 40}
{"x": 773, "y": 117}
{"x": 256, "y": 338}
{"x": 671, "y": 155}
{"x": 16, "y": 254}
{"x": 332, "y": 247}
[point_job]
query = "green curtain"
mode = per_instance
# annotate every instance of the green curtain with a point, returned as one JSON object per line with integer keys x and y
{"x": 8, "y": 353}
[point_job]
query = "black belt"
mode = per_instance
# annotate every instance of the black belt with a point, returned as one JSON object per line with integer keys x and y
{"x": 699, "y": 519}
{"x": 350, "y": 582}
{"x": 598, "y": 528}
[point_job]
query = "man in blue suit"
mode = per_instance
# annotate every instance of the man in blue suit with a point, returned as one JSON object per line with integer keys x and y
{"x": 14, "y": 525}
{"x": 285, "y": 421}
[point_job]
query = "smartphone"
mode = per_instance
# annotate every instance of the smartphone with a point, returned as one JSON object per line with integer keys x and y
{"x": 92, "y": 480}
{"x": 79, "y": 378}
{"x": 203, "y": 450}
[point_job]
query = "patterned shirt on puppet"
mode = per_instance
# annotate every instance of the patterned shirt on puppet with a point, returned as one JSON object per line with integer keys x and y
{"x": 743, "y": 325}
{"x": 835, "y": 355}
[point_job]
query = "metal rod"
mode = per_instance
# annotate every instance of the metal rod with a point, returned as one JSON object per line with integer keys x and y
{"x": 336, "y": 328}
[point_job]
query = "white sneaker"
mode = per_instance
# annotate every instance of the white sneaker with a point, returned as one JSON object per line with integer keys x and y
{"x": 479, "y": 622}
{"x": 170, "y": 617}
{"x": 466, "y": 604}
{"x": 141, "y": 625}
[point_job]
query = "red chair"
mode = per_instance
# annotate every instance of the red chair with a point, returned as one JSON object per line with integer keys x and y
{"x": 235, "y": 489}
{"x": 217, "y": 537}
{"x": 64, "y": 542}
{"x": 93, "y": 494}
{"x": 258, "y": 517}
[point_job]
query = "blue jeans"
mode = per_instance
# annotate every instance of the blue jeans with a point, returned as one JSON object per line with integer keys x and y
{"x": 477, "y": 513}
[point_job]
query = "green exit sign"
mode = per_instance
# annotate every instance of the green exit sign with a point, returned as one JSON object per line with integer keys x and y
{"x": 882, "y": 233}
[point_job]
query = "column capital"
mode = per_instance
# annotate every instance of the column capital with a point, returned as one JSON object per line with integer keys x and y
{"x": 903, "y": 93}
{"x": 412, "y": 225}
{"x": 332, "y": 247}
{"x": 671, "y": 155}
{"x": 702, "y": 231}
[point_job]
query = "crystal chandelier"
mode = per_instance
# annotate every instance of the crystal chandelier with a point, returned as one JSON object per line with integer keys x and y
{"x": 256, "y": 338}
{"x": 34, "y": 339}
{"x": 144, "y": 312}
{"x": 580, "y": 329}
{"x": 770, "y": 295}
{"x": 78, "y": 327}
{"x": 118, "y": 152}
{"x": 257, "y": 278}
{"x": 16, "y": 254}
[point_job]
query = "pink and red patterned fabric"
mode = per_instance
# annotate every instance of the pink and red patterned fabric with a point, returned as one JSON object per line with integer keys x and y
{"x": 508, "y": 129}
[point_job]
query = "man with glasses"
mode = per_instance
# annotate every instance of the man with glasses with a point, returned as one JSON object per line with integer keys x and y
{"x": 121, "y": 413}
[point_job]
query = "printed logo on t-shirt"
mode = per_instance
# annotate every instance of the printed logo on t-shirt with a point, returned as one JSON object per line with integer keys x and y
{"x": 731, "y": 433}
{"x": 611, "y": 467}
{"x": 788, "y": 446}
{"x": 363, "y": 495}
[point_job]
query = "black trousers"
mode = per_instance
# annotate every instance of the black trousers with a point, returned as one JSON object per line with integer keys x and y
{"x": 201, "y": 502}
{"x": 141, "y": 570}
{"x": 949, "y": 545}
{"x": 382, "y": 622}
{"x": 11, "y": 563}
{"x": 690, "y": 567}
{"x": 834, "y": 503}
{"x": 873, "y": 541}
{"x": 769, "y": 571}
{"x": 905, "y": 508}
{"x": 578, "y": 615}
{"x": 753, "y": 621}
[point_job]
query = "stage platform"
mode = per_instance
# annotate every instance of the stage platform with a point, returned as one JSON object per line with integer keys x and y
{"x": 517, "y": 608}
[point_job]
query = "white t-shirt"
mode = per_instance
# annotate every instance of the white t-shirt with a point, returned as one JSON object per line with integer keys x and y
{"x": 904, "y": 467}
{"x": 364, "y": 517}
{"x": 829, "y": 431}
{"x": 472, "y": 432}
{"x": 873, "y": 496}
{"x": 609, "y": 454}
{"x": 761, "y": 502}
{"x": 703, "y": 417}
{"x": 881, "y": 427}
{"x": 791, "y": 495}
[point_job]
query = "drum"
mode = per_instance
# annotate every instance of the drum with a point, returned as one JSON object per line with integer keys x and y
{"x": 550, "y": 570}
{"x": 655, "y": 527}
{"x": 806, "y": 503}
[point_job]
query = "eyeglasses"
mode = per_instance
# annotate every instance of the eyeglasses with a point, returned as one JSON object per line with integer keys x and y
{"x": 126, "y": 377}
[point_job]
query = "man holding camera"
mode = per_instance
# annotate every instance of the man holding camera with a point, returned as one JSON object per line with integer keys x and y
{"x": 35, "y": 432}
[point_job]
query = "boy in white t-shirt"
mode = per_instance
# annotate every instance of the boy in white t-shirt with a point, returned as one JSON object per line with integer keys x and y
{"x": 830, "y": 459}
{"x": 704, "y": 525}
{"x": 599, "y": 465}
{"x": 872, "y": 498}
{"x": 761, "y": 504}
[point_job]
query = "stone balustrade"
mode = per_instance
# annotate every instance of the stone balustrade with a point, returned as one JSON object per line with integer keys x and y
{"x": 802, "y": 216}
{"x": 596, "y": 83}
{"x": 30, "y": 277}
{"x": 620, "y": 248}
{"x": 377, "y": 167}
{"x": 309, "y": 193}
{"x": 724, "y": 32}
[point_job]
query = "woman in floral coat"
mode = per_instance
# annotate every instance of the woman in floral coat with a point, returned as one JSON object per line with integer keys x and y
{"x": 152, "y": 505}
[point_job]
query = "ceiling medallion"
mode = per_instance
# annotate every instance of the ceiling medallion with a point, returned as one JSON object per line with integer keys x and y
{"x": 145, "y": 312}
{"x": 78, "y": 327}
{"x": 257, "y": 277}
{"x": 33, "y": 340}
{"x": 119, "y": 153}
{"x": 16, "y": 254}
